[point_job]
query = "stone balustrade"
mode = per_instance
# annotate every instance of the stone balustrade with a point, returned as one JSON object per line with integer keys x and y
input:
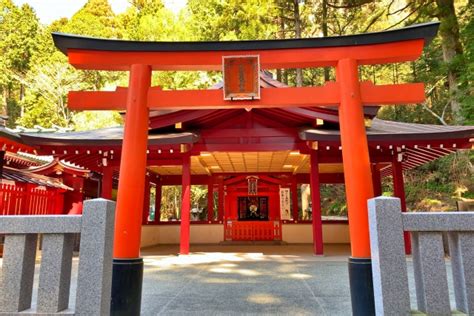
{"x": 95, "y": 261}
{"x": 389, "y": 265}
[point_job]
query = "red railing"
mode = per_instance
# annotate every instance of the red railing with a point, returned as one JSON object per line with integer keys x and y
{"x": 26, "y": 199}
{"x": 252, "y": 231}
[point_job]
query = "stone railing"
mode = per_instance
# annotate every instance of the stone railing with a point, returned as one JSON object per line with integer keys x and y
{"x": 94, "y": 277}
{"x": 389, "y": 265}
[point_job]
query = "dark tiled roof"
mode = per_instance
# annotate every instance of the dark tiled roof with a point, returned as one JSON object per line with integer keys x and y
{"x": 382, "y": 130}
{"x": 104, "y": 136}
{"x": 28, "y": 177}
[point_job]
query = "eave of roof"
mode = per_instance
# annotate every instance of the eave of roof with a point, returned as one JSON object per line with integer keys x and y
{"x": 58, "y": 165}
{"x": 29, "y": 177}
{"x": 103, "y": 137}
{"x": 426, "y": 31}
{"x": 382, "y": 130}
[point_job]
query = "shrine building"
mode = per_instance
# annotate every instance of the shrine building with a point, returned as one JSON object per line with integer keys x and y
{"x": 260, "y": 150}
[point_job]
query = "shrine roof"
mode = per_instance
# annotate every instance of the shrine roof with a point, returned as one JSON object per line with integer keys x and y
{"x": 425, "y": 31}
{"x": 106, "y": 136}
{"x": 382, "y": 130}
{"x": 24, "y": 176}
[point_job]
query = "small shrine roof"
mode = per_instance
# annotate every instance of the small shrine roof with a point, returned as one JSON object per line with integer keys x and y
{"x": 24, "y": 176}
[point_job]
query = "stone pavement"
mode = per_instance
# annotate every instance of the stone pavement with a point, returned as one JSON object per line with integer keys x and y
{"x": 246, "y": 280}
{"x": 236, "y": 280}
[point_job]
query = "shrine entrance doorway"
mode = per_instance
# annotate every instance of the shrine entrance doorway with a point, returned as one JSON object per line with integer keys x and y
{"x": 253, "y": 208}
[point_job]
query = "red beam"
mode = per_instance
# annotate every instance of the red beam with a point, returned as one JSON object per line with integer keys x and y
{"x": 181, "y": 116}
{"x": 247, "y": 147}
{"x": 243, "y": 132}
{"x": 270, "y": 97}
{"x": 269, "y": 59}
{"x": 391, "y": 94}
{"x": 327, "y": 95}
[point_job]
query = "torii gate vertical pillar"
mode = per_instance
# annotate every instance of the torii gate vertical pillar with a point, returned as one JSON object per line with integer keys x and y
{"x": 358, "y": 181}
{"x": 127, "y": 275}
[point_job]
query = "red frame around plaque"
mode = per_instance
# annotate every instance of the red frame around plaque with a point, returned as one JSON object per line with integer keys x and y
{"x": 241, "y": 77}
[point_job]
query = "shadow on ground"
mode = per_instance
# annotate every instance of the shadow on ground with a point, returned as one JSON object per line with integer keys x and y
{"x": 245, "y": 280}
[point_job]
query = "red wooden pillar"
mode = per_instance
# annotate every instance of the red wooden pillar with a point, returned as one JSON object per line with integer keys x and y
{"x": 210, "y": 200}
{"x": 127, "y": 269}
{"x": 294, "y": 198}
{"x": 59, "y": 201}
{"x": 355, "y": 155}
{"x": 399, "y": 192}
{"x": 185, "y": 206}
{"x": 359, "y": 187}
{"x": 157, "y": 202}
{"x": 316, "y": 204}
{"x": 376, "y": 180}
{"x": 131, "y": 186}
{"x": 221, "y": 202}
{"x": 106, "y": 183}
{"x": 146, "y": 201}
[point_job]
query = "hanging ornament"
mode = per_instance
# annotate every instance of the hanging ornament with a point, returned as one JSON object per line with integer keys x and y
{"x": 252, "y": 185}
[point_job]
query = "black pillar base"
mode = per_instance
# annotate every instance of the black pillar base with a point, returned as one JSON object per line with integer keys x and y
{"x": 127, "y": 279}
{"x": 362, "y": 289}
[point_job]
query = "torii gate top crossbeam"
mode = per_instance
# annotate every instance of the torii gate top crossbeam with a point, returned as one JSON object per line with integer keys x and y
{"x": 371, "y": 48}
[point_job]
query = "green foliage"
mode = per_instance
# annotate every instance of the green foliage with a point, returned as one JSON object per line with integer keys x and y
{"x": 18, "y": 29}
{"x": 467, "y": 75}
{"x": 171, "y": 202}
{"x": 333, "y": 200}
{"x": 95, "y": 19}
{"x": 89, "y": 120}
{"x": 232, "y": 19}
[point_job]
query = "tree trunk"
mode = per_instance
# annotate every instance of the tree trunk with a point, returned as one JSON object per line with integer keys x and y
{"x": 22, "y": 96}
{"x": 281, "y": 35}
{"x": 452, "y": 48}
{"x": 324, "y": 27}
{"x": 299, "y": 71}
{"x": 5, "y": 101}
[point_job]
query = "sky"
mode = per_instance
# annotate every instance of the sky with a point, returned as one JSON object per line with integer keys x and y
{"x": 50, "y": 10}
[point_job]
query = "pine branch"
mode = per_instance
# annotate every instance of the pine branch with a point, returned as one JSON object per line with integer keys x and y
{"x": 425, "y": 106}
{"x": 399, "y": 10}
{"x": 440, "y": 118}
{"x": 349, "y": 6}
{"x": 373, "y": 20}
{"x": 406, "y": 17}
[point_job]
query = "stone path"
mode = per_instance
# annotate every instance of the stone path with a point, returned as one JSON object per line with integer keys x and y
{"x": 246, "y": 280}
{"x": 240, "y": 280}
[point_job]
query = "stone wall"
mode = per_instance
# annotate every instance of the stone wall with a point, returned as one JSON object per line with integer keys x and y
{"x": 334, "y": 233}
{"x": 389, "y": 267}
{"x": 94, "y": 278}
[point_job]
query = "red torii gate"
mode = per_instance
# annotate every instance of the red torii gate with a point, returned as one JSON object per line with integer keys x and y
{"x": 345, "y": 53}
